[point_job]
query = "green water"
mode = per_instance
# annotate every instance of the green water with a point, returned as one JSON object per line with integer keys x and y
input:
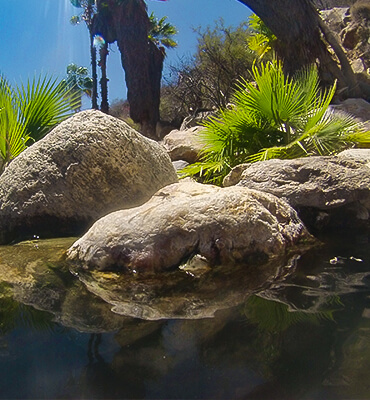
{"x": 297, "y": 330}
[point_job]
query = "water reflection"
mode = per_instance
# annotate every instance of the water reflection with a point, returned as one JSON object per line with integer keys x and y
{"x": 303, "y": 334}
{"x": 15, "y": 315}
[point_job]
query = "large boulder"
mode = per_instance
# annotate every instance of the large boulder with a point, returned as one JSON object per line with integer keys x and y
{"x": 188, "y": 220}
{"x": 326, "y": 191}
{"x": 88, "y": 166}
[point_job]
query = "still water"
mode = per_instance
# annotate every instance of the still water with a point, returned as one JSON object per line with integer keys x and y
{"x": 303, "y": 335}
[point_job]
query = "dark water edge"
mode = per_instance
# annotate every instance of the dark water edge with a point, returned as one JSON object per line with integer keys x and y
{"x": 306, "y": 336}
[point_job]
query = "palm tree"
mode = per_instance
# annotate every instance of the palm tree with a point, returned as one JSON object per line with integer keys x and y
{"x": 90, "y": 10}
{"x": 161, "y": 33}
{"x": 102, "y": 46}
{"x": 27, "y": 113}
{"x": 128, "y": 23}
{"x": 78, "y": 82}
{"x": 275, "y": 117}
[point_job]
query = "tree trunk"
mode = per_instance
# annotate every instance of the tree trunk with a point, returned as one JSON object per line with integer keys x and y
{"x": 94, "y": 95}
{"x": 89, "y": 12}
{"x": 298, "y": 26}
{"x": 127, "y": 23}
{"x": 104, "y": 106}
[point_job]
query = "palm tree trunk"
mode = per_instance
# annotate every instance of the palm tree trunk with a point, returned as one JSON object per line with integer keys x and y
{"x": 127, "y": 22}
{"x": 94, "y": 96}
{"x": 104, "y": 106}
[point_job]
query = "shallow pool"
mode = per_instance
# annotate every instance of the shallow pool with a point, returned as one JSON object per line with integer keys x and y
{"x": 305, "y": 335}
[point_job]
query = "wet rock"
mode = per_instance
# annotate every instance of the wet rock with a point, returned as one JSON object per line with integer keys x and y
{"x": 223, "y": 225}
{"x": 88, "y": 166}
{"x": 326, "y": 191}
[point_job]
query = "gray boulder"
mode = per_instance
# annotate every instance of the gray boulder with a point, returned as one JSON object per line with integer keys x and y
{"x": 88, "y": 166}
{"x": 183, "y": 144}
{"x": 189, "y": 220}
{"x": 325, "y": 191}
{"x": 357, "y": 155}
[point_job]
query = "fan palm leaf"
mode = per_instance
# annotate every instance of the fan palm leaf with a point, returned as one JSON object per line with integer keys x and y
{"x": 43, "y": 104}
{"x": 13, "y": 135}
{"x": 28, "y": 112}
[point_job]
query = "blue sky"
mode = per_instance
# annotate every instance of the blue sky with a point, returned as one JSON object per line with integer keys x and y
{"x": 36, "y": 36}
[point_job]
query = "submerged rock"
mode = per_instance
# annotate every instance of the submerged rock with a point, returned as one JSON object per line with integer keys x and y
{"x": 88, "y": 166}
{"x": 326, "y": 191}
{"x": 222, "y": 225}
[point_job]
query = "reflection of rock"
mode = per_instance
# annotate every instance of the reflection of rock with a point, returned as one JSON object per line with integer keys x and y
{"x": 136, "y": 329}
{"x": 223, "y": 225}
{"x": 87, "y": 166}
{"x": 178, "y": 294}
{"x": 322, "y": 278}
{"x": 36, "y": 276}
{"x": 325, "y": 190}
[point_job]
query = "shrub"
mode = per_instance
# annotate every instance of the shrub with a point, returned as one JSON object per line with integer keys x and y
{"x": 277, "y": 116}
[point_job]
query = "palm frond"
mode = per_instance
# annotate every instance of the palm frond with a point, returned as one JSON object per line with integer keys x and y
{"x": 28, "y": 112}
{"x": 44, "y": 104}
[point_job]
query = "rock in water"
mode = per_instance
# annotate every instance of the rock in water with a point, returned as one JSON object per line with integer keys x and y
{"x": 88, "y": 166}
{"x": 222, "y": 225}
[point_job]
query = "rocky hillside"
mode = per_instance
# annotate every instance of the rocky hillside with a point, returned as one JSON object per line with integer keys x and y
{"x": 351, "y": 26}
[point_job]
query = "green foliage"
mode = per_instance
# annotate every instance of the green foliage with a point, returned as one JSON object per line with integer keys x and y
{"x": 276, "y": 116}
{"x": 161, "y": 32}
{"x": 77, "y": 82}
{"x": 82, "y": 3}
{"x": 13, "y": 135}
{"x": 261, "y": 40}
{"x": 27, "y": 113}
{"x": 89, "y": 9}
